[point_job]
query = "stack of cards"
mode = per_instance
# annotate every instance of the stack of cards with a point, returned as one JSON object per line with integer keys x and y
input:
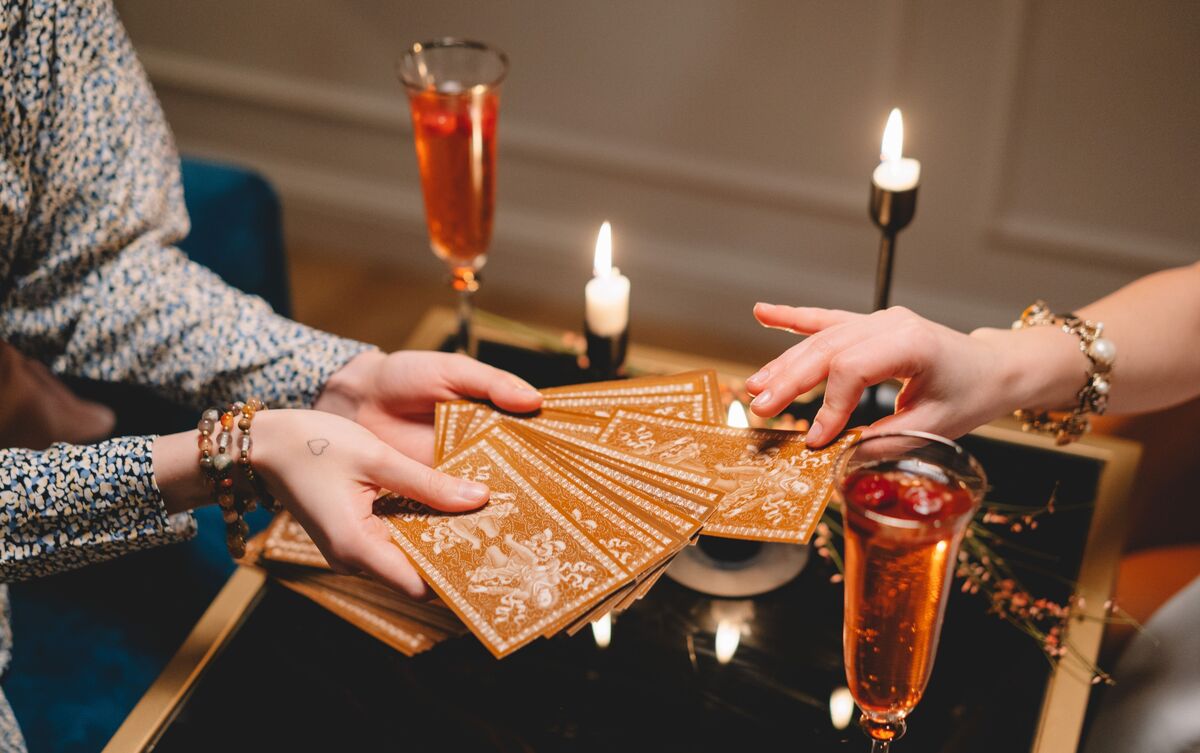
{"x": 407, "y": 625}
{"x": 594, "y": 495}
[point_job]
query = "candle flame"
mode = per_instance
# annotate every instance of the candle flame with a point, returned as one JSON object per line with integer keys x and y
{"x": 737, "y": 417}
{"x": 841, "y": 707}
{"x": 602, "y": 262}
{"x": 602, "y": 631}
{"x": 729, "y": 635}
{"x": 893, "y": 137}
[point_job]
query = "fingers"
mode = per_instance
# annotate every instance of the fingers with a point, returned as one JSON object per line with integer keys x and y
{"x": 821, "y": 324}
{"x": 405, "y": 476}
{"x": 902, "y": 337}
{"x": 803, "y": 320}
{"x": 804, "y": 366}
{"x": 374, "y": 553}
{"x": 851, "y": 371}
{"x": 470, "y": 378}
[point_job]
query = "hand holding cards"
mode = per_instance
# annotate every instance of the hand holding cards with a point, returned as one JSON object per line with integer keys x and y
{"x": 594, "y": 495}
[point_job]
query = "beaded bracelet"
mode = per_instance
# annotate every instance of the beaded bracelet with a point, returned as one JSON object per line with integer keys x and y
{"x": 1093, "y": 396}
{"x": 218, "y": 467}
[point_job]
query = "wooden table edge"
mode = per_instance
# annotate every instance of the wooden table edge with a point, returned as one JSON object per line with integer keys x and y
{"x": 161, "y": 702}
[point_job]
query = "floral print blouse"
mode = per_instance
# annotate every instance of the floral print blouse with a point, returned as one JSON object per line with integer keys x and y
{"x": 90, "y": 205}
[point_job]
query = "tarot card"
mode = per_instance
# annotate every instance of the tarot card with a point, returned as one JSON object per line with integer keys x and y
{"x": 704, "y": 382}
{"x": 514, "y": 567}
{"x": 775, "y": 487}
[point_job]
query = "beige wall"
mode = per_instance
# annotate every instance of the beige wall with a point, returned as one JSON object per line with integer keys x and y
{"x": 730, "y": 143}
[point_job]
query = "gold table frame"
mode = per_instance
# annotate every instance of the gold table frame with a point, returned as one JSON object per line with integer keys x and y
{"x": 1064, "y": 705}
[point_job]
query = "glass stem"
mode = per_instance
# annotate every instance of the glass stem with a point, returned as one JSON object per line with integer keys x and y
{"x": 465, "y": 342}
{"x": 880, "y": 746}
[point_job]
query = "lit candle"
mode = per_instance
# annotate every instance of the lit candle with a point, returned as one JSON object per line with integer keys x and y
{"x": 895, "y": 172}
{"x": 607, "y": 293}
{"x": 736, "y": 417}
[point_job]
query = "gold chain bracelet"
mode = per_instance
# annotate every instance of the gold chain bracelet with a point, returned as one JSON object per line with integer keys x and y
{"x": 1093, "y": 396}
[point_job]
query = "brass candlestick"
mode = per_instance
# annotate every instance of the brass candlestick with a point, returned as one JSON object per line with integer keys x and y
{"x": 891, "y": 211}
{"x": 606, "y": 355}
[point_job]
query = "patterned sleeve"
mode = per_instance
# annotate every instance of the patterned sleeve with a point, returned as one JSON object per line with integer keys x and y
{"x": 73, "y": 505}
{"x": 90, "y": 203}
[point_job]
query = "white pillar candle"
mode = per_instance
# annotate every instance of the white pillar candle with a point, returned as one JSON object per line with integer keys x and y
{"x": 607, "y": 293}
{"x": 895, "y": 171}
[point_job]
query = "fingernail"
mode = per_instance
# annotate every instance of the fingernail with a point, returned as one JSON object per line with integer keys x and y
{"x": 814, "y": 431}
{"x": 472, "y": 492}
{"x": 762, "y": 399}
{"x": 759, "y": 378}
{"x": 765, "y": 305}
{"x": 522, "y": 385}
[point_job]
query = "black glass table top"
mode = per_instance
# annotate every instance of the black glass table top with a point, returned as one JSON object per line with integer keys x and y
{"x": 298, "y": 677}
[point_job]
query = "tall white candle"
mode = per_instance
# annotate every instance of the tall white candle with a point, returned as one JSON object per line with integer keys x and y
{"x": 607, "y": 293}
{"x": 895, "y": 172}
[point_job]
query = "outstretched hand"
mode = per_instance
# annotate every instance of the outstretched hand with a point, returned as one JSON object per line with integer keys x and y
{"x": 951, "y": 382}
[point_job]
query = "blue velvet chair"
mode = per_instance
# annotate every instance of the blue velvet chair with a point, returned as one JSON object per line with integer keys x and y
{"x": 87, "y": 644}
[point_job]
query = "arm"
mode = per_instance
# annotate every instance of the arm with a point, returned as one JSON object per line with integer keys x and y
{"x": 91, "y": 284}
{"x": 955, "y": 382}
{"x": 73, "y": 505}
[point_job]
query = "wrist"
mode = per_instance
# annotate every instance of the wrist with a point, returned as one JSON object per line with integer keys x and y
{"x": 347, "y": 389}
{"x": 1039, "y": 368}
{"x": 176, "y": 463}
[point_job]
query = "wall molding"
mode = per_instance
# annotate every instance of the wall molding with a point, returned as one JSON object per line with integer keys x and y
{"x": 1024, "y": 233}
{"x": 731, "y": 181}
{"x": 338, "y": 206}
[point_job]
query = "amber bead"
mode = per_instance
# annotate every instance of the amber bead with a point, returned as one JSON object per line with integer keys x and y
{"x": 227, "y": 483}
{"x": 204, "y": 443}
{"x": 227, "y": 421}
{"x": 251, "y": 505}
{"x": 229, "y": 515}
{"x": 225, "y": 500}
{"x": 255, "y": 404}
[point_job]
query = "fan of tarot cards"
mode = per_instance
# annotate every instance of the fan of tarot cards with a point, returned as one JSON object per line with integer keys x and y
{"x": 592, "y": 497}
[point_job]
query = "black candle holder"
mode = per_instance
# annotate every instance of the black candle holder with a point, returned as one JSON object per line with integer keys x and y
{"x": 606, "y": 355}
{"x": 891, "y": 211}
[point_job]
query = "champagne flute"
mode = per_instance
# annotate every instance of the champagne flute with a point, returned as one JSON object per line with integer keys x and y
{"x": 907, "y": 499}
{"x": 453, "y": 88}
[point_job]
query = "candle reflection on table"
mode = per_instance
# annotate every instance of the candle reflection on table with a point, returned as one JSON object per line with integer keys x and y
{"x": 729, "y": 635}
{"x": 602, "y": 631}
{"x": 733, "y": 619}
{"x": 841, "y": 707}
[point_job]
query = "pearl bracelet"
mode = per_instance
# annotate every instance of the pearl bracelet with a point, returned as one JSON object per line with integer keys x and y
{"x": 1093, "y": 396}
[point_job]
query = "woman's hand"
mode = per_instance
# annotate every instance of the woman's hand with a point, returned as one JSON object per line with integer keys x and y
{"x": 952, "y": 382}
{"x": 393, "y": 394}
{"x": 328, "y": 470}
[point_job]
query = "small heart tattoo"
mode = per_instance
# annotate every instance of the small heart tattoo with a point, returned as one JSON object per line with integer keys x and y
{"x": 317, "y": 446}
